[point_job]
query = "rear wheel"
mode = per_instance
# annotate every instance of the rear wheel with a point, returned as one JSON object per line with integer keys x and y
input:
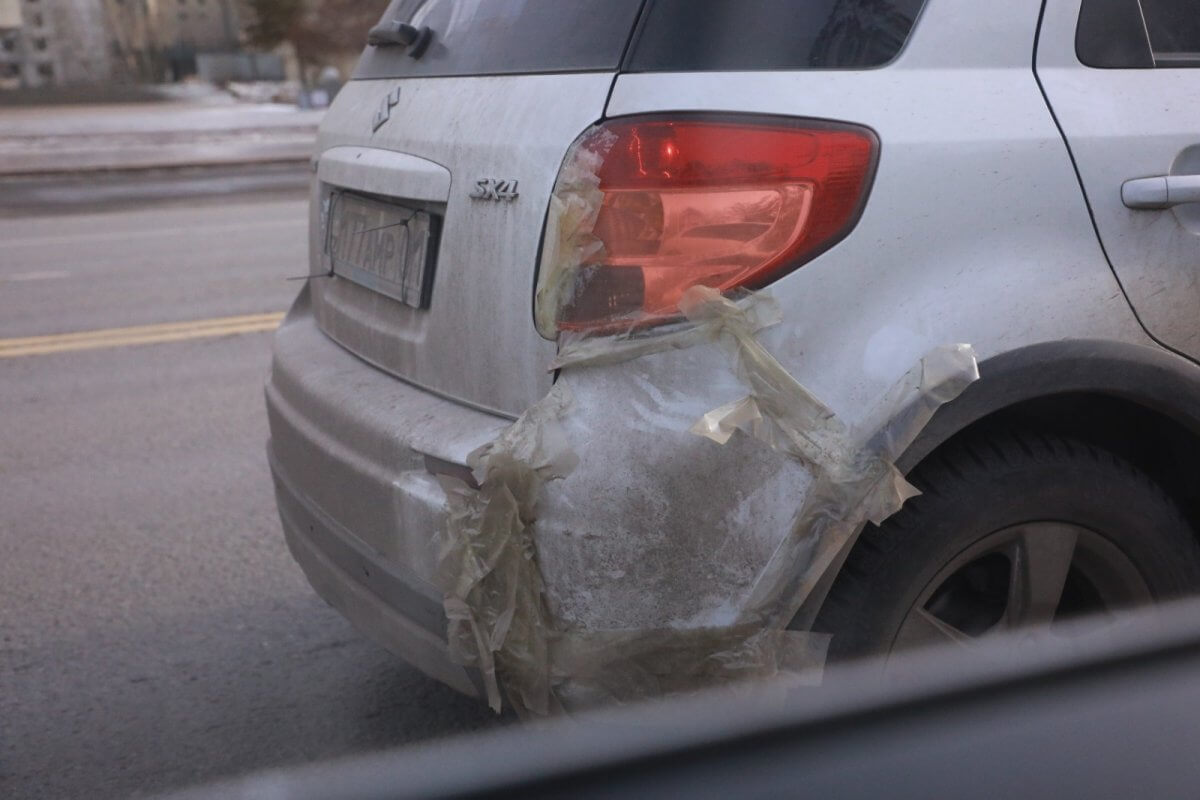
{"x": 1013, "y": 530}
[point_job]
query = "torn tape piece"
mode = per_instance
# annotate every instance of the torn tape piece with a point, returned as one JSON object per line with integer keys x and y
{"x": 592, "y": 667}
{"x": 497, "y": 620}
{"x": 942, "y": 375}
{"x": 721, "y": 423}
{"x": 754, "y": 311}
{"x": 793, "y": 421}
{"x": 863, "y": 487}
{"x": 575, "y": 207}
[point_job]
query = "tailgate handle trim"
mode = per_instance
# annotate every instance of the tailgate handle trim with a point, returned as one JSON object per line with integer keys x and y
{"x": 384, "y": 172}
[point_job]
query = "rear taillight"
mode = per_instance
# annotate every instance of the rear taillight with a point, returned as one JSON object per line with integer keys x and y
{"x": 645, "y": 208}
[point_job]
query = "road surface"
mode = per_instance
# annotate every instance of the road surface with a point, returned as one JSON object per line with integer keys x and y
{"x": 154, "y": 631}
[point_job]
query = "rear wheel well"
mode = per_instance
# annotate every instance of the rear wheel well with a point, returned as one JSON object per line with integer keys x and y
{"x": 1009, "y": 514}
{"x": 1099, "y": 401}
{"x": 1165, "y": 449}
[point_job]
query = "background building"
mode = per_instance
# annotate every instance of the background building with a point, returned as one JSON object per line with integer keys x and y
{"x": 188, "y": 28}
{"x": 57, "y": 42}
{"x": 74, "y": 42}
{"x": 134, "y": 40}
{"x": 99, "y": 46}
{"x": 10, "y": 14}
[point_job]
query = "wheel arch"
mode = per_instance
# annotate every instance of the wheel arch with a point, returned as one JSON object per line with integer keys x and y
{"x": 1149, "y": 382}
{"x": 1140, "y": 401}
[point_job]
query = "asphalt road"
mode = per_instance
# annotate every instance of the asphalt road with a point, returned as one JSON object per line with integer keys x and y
{"x": 154, "y": 631}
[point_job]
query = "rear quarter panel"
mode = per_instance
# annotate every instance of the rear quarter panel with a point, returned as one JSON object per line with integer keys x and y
{"x": 975, "y": 231}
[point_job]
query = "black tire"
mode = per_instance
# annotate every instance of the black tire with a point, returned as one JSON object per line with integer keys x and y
{"x": 976, "y": 492}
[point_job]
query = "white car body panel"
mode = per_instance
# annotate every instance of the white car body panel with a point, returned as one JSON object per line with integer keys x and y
{"x": 471, "y": 345}
{"x": 1124, "y": 124}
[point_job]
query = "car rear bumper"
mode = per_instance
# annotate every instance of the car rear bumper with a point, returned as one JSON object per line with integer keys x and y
{"x": 394, "y": 608}
{"x": 655, "y": 529}
{"x": 360, "y": 509}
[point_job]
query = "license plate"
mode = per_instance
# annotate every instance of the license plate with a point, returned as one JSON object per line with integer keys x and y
{"x": 385, "y": 247}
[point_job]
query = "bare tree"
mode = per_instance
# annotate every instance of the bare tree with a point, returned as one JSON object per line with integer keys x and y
{"x": 271, "y": 21}
{"x": 319, "y": 30}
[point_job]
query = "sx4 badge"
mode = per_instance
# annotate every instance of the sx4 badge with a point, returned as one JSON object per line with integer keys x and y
{"x": 495, "y": 189}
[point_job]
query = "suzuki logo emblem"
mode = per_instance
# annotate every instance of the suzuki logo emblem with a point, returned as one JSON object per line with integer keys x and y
{"x": 384, "y": 113}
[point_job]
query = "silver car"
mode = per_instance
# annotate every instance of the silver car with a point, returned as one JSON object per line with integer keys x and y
{"x": 656, "y": 343}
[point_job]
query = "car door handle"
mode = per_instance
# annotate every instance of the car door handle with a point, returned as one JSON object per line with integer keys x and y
{"x": 1161, "y": 192}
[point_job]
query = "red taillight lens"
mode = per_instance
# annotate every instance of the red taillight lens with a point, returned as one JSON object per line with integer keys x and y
{"x": 646, "y": 208}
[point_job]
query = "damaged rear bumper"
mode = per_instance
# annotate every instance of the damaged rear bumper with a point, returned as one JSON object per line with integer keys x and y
{"x": 669, "y": 554}
{"x": 348, "y": 453}
{"x": 388, "y": 603}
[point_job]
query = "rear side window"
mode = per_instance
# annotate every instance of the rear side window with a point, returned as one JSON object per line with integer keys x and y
{"x": 1139, "y": 34}
{"x": 504, "y": 37}
{"x": 692, "y": 35}
{"x": 1174, "y": 29}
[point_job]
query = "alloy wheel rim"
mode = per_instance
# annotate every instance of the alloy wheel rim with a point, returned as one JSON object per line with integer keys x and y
{"x": 1031, "y": 576}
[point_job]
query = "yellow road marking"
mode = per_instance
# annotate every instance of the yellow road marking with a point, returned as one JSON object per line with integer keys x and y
{"x": 138, "y": 334}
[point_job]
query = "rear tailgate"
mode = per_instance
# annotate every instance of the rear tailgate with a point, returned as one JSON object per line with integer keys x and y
{"x": 424, "y": 132}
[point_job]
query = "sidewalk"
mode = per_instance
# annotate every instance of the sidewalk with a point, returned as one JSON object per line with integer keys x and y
{"x": 82, "y": 139}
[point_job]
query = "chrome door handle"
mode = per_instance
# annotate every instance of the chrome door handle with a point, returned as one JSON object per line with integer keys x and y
{"x": 1161, "y": 192}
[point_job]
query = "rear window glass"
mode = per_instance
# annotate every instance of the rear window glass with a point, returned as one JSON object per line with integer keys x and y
{"x": 498, "y": 37}
{"x": 1112, "y": 35}
{"x": 1174, "y": 29}
{"x": 504, "y": 37}
{"x": 1139, "y": 34}
{"x": 689, "y": 35}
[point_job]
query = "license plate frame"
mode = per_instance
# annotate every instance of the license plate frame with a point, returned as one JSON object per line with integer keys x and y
{"x": 389, "y": 247}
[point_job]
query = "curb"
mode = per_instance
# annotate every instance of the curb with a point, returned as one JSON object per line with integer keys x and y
{"x": 51, "y": 158}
